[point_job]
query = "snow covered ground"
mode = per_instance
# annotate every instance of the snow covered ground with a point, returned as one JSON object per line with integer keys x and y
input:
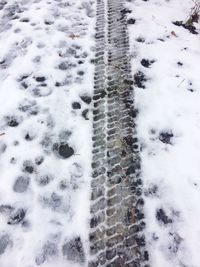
{"x": 46, "y": 82}
{"x": 166, "y": 68}
{"x": 46, "y": 86}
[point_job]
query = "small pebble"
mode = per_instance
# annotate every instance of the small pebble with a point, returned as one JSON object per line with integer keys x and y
{"x": 76, "y": 105}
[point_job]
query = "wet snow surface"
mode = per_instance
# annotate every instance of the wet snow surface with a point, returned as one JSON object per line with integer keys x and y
{"x": 165, "y": 65}
{"x": 45, "y": 130}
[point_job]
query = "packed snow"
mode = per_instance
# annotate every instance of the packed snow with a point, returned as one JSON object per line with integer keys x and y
{"x": 165, "y": 60}
{"x": 46, "y": 81}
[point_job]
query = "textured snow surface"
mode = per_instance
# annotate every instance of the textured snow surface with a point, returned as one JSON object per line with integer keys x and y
{"x": 46, "y": 83}
{"x": 165, "y": 65}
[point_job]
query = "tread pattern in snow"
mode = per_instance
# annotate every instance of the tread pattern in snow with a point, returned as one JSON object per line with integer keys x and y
{"x": 117, "y": 220}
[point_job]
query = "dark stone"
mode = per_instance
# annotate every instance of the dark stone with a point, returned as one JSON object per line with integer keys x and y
{"x": 179, "y": 63}
{"x": 84, "y": 114}
{"x": 28, "y": 167}
{"x": 24, "y": 85}
{"x": 74, "y": 251}
{"x": 80, "y": 73}
{"x": 63, "y": 150}
{"x": 24, "y": 20}
{"x": 146, "y": 63}
{"x": 161, "y": 40}
{"x": 57, "y": 84}
{"x": 76, "y": 105}
{"x": 139, "y": 79}
{"x": 39, "y": 160}
{"x": 47, "y": 22}
{"x": 131, "y": 21}
{"x": 85, "y": 98}
{"x": 43, "y": 84}
{"x": 29, "y": 137}
{"x": 4, "y": 242}
{"x": 40, "y": 79}
{"x": 161, "y": 216}
{"x": 16, "y": 217}
{"x": 165, "y": 137}
{"x": 140, "y": 40}
{"x": 21, "y": 184}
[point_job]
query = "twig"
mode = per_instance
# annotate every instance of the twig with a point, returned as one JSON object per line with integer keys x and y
{"x": 181, "y": 83}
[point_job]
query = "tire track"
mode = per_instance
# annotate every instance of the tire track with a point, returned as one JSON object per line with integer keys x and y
{"x": 117, "y": 223}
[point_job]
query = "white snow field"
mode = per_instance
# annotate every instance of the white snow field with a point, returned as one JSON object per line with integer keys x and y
{"x": 166, "y": 69}
{"x": 46, "y": 85}
{"x": 46, "y": 81}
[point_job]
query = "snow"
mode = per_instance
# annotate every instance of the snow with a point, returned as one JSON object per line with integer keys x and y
{"x": 45, "y": 53}
{"x": 46, "y": 49}
{"x": 168, "y": 126}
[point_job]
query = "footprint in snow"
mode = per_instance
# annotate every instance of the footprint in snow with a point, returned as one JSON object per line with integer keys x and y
{"x": 140, "y": 79}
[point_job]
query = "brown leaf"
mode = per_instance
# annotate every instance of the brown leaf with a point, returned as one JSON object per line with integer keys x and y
{"x": 174, "y": 34}
{"x": 73, "y": 36}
